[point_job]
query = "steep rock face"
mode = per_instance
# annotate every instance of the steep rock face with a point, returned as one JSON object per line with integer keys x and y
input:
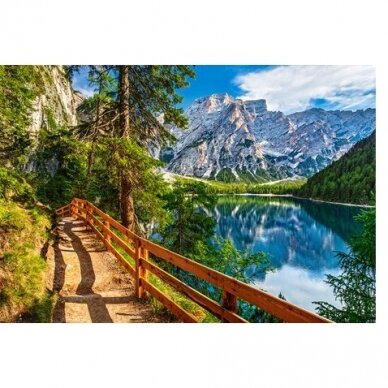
{"x": 220, "y": 140}
{"x": 57, "y": 102}
{"x": 323, "y": 136}
{"x": 246, "y": 140}
{"x": 55, "y": 106}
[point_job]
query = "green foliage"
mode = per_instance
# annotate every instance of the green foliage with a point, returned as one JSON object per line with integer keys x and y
{"x": 246, "y": 176}
{"x": 355, "y": 288}
{"x": 154, "y": 91}
{"x": 190, "y": 223}
{"x": 13, "y": 185}
{"x": 350, "y": 179}
{"x": 226, "y": 175}
{"x": 22, "y": 282}
{"x": 60, "y": 169}
{"x": 224, "y": 257}
{"x": 182, "y": 300}
{"x": 19, "y": 87}
{"x": 217, "y": 187}
{"x": 112, "y": 156}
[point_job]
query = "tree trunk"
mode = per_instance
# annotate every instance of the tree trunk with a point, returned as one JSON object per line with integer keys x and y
{"x": 92, "y": 152}
{"x": 90, "y": 160}
{"x": 126, "y": 200}
{"x": 124, "y": 101}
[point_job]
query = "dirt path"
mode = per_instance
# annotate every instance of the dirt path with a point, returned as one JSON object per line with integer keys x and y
{"x": 91, "y": 284}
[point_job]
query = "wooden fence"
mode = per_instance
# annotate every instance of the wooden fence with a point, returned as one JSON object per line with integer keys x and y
{"x": 109, "y": 230}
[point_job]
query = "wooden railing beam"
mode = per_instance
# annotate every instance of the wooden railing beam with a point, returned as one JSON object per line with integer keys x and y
{"x": 231, "y": 288}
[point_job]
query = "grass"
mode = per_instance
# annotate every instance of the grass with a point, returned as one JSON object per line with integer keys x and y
{"x": 180, "y": 299}
{"x": 22, "y": 269}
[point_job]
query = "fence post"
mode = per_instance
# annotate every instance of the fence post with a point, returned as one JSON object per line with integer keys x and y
{"x": 87, "y": 217}
{"x": 82, "y": 208}
{"x": 140, "y": 272}
{"x": 72, "y": 209}
{"x": 76, "y": 205}
{"x": 79, "y": 210}
{"x": 91, "y": 221}
{"x": 107, "y": 234}
{"x": 229, "y": 302}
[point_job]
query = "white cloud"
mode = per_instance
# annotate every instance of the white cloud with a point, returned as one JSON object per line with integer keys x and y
{"x": 293, "y": 88}
{"x": 86, "y": 92}
{"x": 81, "y": 83}
{"x": 299, "y": 286}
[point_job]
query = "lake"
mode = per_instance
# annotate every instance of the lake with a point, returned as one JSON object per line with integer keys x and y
{"x": 299, "y": 236}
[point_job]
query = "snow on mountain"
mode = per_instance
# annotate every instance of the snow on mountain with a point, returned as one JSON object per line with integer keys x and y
{"x": 232, "y": 139}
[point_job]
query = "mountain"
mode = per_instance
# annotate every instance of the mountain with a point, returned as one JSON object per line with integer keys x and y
{"x": 231, "y": 139}
{"x": 352, "y": 178}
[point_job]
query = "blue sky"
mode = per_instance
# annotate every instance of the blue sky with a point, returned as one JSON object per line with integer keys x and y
{"x": 212, "y": 79}
{"x": 286, "y": 88}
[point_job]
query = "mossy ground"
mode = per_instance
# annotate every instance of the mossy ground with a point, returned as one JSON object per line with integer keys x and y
{"x": 23, "y": 230}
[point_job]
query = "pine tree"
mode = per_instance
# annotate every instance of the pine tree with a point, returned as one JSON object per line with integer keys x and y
{"x": 190, "y": 223}
{"x": 132, "y": 120}
{"x": 355, "y": 288}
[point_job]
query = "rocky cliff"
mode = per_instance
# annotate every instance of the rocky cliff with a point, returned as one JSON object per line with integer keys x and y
{"x": 231, "y": 139}
{"x": 55, "y": 106}
{"x": 57, "y": 98}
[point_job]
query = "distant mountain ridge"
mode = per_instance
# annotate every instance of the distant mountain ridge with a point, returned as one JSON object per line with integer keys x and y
{"x": 350, "y": 179}
{"x": 230, "y": 139}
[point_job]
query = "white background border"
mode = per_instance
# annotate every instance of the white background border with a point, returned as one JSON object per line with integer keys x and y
{"x": 202, "y": 32}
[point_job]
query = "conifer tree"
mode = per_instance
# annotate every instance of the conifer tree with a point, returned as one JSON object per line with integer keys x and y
{"x": 355, "y": 288}
{"x": 132, "y": 120}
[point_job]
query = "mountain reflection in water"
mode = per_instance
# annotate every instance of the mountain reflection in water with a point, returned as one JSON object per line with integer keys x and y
{"x": 299, "y": 236}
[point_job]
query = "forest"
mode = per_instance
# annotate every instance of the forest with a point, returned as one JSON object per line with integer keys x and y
{"x": 350, "y": 179}
{"x": 276, "y": 188}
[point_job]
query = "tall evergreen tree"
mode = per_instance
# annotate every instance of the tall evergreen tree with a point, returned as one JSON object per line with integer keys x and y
{"x": 126, "y": 199}
{"x": 132, "y": 119}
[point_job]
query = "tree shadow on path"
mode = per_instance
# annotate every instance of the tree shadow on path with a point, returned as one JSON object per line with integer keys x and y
{"x": 84, "y": 294}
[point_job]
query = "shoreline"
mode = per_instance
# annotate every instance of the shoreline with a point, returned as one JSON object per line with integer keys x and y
{"x": 293, "y": 196}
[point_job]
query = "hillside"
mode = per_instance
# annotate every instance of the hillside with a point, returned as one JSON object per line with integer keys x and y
{"x": 351, "y": 179}
{"x": 23, "y": 236}
{"x": 35, "y": 103}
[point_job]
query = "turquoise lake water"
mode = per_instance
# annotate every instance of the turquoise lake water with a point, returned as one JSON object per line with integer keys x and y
{"x": 299, "y": 236}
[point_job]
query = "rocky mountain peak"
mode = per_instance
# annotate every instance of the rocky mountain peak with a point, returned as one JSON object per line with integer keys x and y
{"x": 241, "y": 139}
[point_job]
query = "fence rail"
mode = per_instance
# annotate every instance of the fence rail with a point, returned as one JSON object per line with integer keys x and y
{"x": 138, "y": 248}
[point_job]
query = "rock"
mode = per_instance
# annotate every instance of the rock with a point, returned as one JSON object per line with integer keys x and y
{"x": 57, "y": 104}
{"x": 234, "y": 139}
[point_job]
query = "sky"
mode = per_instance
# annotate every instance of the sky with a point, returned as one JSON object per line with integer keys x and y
{"x": 285, "y": 88}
